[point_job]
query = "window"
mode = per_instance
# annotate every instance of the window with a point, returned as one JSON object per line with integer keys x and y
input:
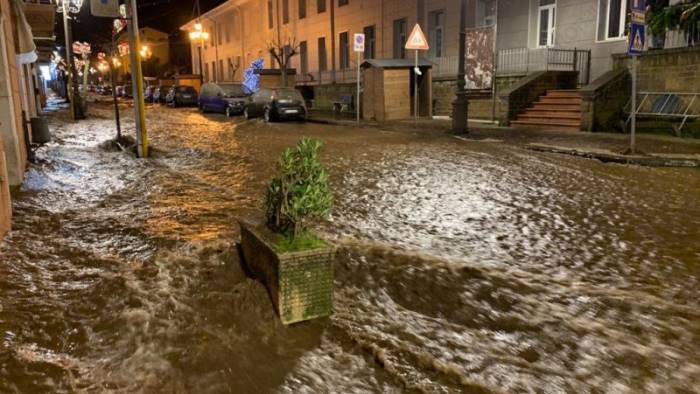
{"x": 322, "y": 58}
{"x": 206, "y": 71}
{"x": 343, "y": 2}
{"x": 270, "y": 19}
{"x": 229, "y": 76}
{"x": 213, "y": 70}
{"x": 285, "y": 11}
{"x": 321, "y": 6}
{"x": 344, "y": 51}
{"x": 221, "y": 70}
{"x": 303, "y": 58}
{"x": 219, "y": 34}
{"x": 546, "y": 17}
{"x": 370, "y": 42}
{"x": 400, "y": 38}
{"x": 228, "y": 32}
{"x": 287, "y": 53}
{"x": 612, "y": 19}
{"x": 302, "y": 9}
{"x": 486, "y": 13}
{"x": 436, "y": 20}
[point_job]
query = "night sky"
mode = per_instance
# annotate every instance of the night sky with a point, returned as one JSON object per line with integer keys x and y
{"x": 164, "y": 15}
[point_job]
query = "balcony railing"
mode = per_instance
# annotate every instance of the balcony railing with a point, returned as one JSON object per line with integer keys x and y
{"x": 526, "y": 60}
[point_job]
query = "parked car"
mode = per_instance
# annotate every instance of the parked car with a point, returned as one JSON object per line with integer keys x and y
{"x": 160, "y": 93}
{"x": 181, "y": 96}
{"x": 119, "y": 90}
{"x": 228, "y": 98}
{"x": 276, "y": 104}
{"x": 128, "y": 91}
{"x": 148, "y": 93}
{"x": 105, "y": 90}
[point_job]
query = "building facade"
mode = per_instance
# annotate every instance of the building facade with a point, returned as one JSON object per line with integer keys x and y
{"x": 508, "y": 39}
{"x": 155, "y": 54}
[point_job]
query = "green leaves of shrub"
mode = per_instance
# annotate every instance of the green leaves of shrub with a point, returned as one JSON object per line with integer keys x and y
{"x": 298, "y": 195}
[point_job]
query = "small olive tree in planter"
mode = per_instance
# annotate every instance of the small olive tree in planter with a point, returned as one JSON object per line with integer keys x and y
{"x": 295, "y": 265}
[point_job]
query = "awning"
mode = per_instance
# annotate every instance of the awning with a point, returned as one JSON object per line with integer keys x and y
{"x": 24, "y": 40}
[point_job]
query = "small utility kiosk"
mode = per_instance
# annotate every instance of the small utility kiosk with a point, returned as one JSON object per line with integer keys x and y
{"x": 388, "y": 92}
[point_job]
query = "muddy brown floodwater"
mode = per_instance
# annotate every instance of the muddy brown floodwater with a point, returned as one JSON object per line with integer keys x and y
{"x": 472, "y": 267}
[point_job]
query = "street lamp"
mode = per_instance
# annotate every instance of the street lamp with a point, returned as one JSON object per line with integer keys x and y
{"x": 460, "y": 106}
{"x": 66, "y": 7}
{"x": 198, "y": 34}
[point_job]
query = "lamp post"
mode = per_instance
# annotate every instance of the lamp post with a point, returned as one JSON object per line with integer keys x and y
{"x": 199, "y": 35}
{"x": 66, "y": 7}
{"x": 460, "y": 106}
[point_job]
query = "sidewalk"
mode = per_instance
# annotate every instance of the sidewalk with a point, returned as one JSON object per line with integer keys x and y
{"x": 654, "y": 150}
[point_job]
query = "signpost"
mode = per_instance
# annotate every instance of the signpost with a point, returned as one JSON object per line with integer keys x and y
{"x": 105, "y": 8}
{"x": 359, "y": 47}
{"x": 417, "y": 42}
{"x": 637, "y": 39}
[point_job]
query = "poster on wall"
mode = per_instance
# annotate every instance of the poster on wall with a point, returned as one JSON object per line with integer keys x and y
{"x": 480, "y": 58}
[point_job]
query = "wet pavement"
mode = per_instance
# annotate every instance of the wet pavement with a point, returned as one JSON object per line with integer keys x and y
{"x": 464, "y": 266}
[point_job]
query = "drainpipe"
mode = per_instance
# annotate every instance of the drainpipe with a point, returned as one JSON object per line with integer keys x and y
{"x": 495, "y": 66}
{"x": 240, "y": 37}
{"x": 333, "y": 41}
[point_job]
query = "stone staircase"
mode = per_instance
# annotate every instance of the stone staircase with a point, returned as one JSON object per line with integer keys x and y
{"x": 558, "y": 109}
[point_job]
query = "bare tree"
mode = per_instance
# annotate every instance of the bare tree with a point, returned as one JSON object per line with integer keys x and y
{"x": 283, "y": 52}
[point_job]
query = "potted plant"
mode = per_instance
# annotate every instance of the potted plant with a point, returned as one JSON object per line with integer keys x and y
{"x": 295, "y": 265}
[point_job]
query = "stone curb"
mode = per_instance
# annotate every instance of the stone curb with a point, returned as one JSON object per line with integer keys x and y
{"x": 612, "y": 157}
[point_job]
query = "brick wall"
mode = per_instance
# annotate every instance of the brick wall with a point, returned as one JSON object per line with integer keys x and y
{"x": 668, "y": 70}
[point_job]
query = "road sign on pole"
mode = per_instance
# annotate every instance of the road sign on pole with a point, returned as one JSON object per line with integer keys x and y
{"x": 359, "y": 47}
{"x": 636, "y": 45}
{"x": 105, "y": 8}
{"x": 417, "y": 42}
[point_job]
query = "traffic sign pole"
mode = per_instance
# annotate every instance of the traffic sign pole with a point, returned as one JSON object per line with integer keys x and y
{"x": 415, "y": 93}
{"x": 633, "y": 131}
{"x": 357, "y": 102}
{"x": 637, "y": 38}
{"x": 359, "y": 47}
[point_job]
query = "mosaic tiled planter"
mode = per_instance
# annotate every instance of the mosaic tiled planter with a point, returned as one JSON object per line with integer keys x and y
{"x": 300, "y": 283}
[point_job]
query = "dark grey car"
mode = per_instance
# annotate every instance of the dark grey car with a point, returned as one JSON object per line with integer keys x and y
{"x": 276, "y": 104}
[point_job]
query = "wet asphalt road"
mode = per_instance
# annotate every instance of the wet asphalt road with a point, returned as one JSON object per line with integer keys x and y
{"x": 464, "y": 266}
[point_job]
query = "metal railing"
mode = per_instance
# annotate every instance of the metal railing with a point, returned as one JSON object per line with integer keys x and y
{"x": 525, "y": 60}
{"x": 670, "y": 105}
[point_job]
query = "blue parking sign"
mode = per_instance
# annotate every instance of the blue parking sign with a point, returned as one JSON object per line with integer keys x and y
{"x": 637, "y": 39}
{"x": 639, "y": 5}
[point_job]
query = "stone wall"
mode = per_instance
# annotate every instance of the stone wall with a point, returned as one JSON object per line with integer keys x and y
{"x": 480, "y": 107}
{"x": 668, "y": 70}
{"x": 604, "y": 100}
{"x": 325, "y": 95}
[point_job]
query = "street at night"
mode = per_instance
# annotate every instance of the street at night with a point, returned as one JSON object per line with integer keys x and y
{"x": 469, "y": 266}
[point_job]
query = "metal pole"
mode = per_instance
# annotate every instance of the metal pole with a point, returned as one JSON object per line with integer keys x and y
{"x": 460, "y": 106}
{"x": 70, "y": 91}
{"x": 415, "y": 92}
{"x": 137, "y": 82}
{"x": 357, "y": 103}
{"x": 114, "y": 94}
{"x": 495, "y": 67}
{"x": 633, "y": 130}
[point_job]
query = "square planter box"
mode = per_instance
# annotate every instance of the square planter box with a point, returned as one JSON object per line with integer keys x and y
{"x": 300, "y": 283}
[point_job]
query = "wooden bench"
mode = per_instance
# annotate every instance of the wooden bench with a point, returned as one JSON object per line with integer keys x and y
{"x": 344, "y": 103}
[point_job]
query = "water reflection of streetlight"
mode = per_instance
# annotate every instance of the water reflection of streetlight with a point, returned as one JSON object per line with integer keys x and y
{"x": 199, "y": 35}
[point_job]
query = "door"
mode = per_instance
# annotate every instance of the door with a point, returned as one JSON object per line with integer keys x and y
{"x": 546, "y": 23}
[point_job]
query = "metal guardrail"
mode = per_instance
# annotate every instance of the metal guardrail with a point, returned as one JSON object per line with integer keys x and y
{"x": 525, "y": 60}
{"x": 673, "y": 105}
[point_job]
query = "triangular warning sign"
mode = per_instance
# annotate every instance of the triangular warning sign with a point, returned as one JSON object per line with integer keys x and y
{"x": 417, "y": 40}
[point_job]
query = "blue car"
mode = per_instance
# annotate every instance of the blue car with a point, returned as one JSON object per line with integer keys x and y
{"x": 228, "y": 98}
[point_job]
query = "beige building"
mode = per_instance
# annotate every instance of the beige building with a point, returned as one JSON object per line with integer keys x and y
{"x": 156, "y": 54}
{"x": 240, "y": 31}
{"x": 19, "y": 84}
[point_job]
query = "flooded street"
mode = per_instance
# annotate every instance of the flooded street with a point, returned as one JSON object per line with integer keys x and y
{"x": 463, "y": 266}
